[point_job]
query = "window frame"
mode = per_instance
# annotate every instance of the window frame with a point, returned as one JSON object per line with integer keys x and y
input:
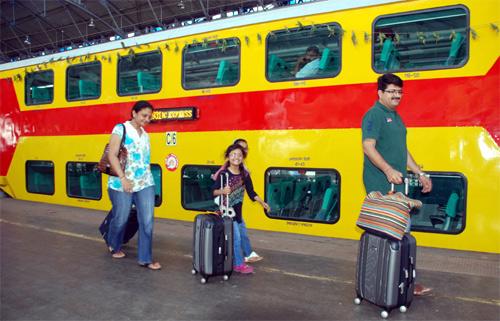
{"x": 81, "y": 64}
{"x": 216, "y": 86}
{"x": 338, "y": 205}
{"x": 138, "y": 93}
{"x": 27, "y": 180}
{"x": 161, "y": 183}
{"x": 82, "y": 197}
{"x": 26, "y": 87}
{"x": 336, "y": 25}
{"x": 464, "y": 218}
{"x": 182, "y": 189}
{"x": 406, "y": 13}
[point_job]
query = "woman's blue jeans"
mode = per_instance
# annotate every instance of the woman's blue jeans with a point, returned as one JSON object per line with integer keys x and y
{"x": 122, "y": 202}
{"x": 241, "y": 243}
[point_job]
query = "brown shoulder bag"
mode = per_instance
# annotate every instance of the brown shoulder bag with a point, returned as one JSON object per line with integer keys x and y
{"x": 104, "y": 166}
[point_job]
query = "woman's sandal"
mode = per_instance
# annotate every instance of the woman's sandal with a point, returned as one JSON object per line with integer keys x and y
{"x": 118, "y": 254}
{"x": 421, "y": 290}
{"x": 152, "y": 266}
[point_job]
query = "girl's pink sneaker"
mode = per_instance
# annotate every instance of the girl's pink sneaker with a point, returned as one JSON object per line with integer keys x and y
{"x": 244, "y": 269}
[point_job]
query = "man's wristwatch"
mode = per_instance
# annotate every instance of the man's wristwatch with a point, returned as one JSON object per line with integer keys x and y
{"x": 422, "y": 174}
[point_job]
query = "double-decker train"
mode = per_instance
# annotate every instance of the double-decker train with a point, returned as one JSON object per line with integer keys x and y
{"x": 213, "y": 82}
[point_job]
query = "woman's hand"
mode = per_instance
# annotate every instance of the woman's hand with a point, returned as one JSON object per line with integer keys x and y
{"x": 127, "y": 185}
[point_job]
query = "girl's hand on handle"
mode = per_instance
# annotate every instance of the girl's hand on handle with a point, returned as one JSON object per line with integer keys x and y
{"x": 226, "y": 190}
{"x": 266, "y": 206}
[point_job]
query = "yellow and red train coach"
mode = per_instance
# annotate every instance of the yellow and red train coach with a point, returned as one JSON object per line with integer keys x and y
{"x": 214, "y": 82}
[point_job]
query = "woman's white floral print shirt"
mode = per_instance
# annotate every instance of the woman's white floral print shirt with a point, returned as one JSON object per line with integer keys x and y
{"x": 137, "y": 170}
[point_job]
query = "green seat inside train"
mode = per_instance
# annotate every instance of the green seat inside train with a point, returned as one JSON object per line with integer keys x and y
{"x": 197, "y": 189}
{"x": 41, "y": 94}
{"x": 90, "y": 186}
{"x": 205, "y": 182}
{"x": 156, "y": 171}
{"x": 226, "y": 73}
{"x": 327, "y": 63}
{"x": 87, "y": 88}
{"x": 389, "y": 57}
{"x": 456, "y": 44}
{"x": 128, "y": 84}
{"x": 147, "y": 81}
{"x": 277, "y": 68}
{"x": 286, "y": 196}
{"x": 444, "y": 222}
{"x": 42, "y": 183}
{"x": 330, "y": 199}
{"x": 274, "y": 198}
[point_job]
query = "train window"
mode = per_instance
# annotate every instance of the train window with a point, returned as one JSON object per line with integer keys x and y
{"x": 211, "y": 64}
{"x": 443, "y": 209}
{"x": 306, "y": 52}
{"x": 303, "y": 194}
{"x": 139, "y": 73}
{"x": 156, "y": 171}
{"x": 431, "y": 39}
{"x": 40, "y": 177}
{"x": 83, "y": 81}
{"x": 83, "y": 180}
{"x": 196, "y": 192}
{"x": 39, "y": 87}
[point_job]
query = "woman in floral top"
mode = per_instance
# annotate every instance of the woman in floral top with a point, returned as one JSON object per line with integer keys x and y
{"x": 135, "y": 185}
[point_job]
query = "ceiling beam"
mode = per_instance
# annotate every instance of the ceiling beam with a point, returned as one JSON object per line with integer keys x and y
{"x": 154, "y": 14}
{"x": 73, "y": 20}
{"x": 14, "y": 48}
{"x": 120, "y": 12}
{"x": 47, "y": 35}
{"x": 116, "y": 29}
{"x": 28, "y": 52}
{"x": 205, "y": 10}
{"x": 37, "y": 15}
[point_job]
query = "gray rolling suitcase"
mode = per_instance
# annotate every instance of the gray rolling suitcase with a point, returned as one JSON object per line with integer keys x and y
{"x": 385, "y": 271}
{"x": 213, "y": 245}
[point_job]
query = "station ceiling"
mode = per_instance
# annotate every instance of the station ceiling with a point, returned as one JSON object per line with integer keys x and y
{"x": 30, "y": 27}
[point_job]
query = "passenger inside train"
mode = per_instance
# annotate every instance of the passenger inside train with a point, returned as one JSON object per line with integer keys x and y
{"x": 308, "y": 64}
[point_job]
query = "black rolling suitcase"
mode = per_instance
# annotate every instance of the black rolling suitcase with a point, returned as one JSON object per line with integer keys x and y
{"x": 213, "y": 245}
{"x": 130, "y": 229}
{"x": 385, "y": 271}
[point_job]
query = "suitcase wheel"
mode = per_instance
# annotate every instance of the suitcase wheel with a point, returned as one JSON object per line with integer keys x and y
{"x": 225, "y": 277}
{"x": 357, "y": 301}
{"x": 203, "y": 280}
{"x": 403, "y": 309}
{"x": 384, "y": 314}
{"x": 193, "y": 272}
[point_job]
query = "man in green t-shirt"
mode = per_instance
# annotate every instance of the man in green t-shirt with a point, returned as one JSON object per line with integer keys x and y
{"x": 386, "y": 156}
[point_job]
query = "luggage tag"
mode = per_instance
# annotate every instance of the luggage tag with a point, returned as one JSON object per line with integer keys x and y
{"x": 224, "y": 208}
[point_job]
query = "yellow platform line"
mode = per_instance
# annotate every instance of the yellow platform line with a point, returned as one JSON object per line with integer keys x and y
{"x": 266, "y": 269}
{"x": 60, "y": 232}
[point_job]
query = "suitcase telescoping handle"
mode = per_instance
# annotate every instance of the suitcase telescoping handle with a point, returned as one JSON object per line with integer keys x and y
{"x": 224, "y": 208}
{"x": 407, "y": 186}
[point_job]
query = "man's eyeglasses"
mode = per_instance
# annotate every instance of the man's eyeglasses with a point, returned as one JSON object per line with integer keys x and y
{"x": 393, "y": 91}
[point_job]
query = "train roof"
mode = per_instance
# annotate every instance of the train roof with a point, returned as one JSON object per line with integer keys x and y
{"x": 199, "y": 28}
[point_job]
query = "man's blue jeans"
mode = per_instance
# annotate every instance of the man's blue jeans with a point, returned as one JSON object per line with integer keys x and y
{"x": 122, "y": 203}
{"x": 241, "y": 243}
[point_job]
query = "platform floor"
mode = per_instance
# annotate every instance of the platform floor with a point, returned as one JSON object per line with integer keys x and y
{"x": 54, "y": 266}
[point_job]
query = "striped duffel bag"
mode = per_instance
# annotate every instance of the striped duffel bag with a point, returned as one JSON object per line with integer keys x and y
{"x": 387, "y": 215}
